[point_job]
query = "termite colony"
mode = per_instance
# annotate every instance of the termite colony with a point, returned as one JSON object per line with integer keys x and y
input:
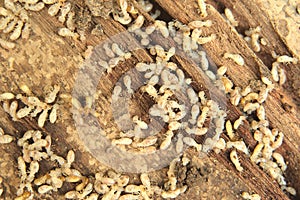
{"x": 21, "y": 105}
{"x": 13, "y": 22}
{"x": 198, "y": 109}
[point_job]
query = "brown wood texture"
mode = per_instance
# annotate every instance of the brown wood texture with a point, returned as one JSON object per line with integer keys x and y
{"x": 47, "y": 59}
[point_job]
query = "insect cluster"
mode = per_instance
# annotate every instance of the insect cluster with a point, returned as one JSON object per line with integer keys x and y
{"x": 13, "y": 21}
{"x": 251, "y": 99}
{"x": 36, "y": 147}
{"x": 4, "y": 138}
{"x": 33, "y": 106}
{"x": 185, "y": 111}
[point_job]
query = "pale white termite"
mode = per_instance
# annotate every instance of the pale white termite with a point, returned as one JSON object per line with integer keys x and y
{"x": 82, "y": 185}
{"x": 65, "y": 32}
{"x": 162, "y": 27}
{"x": 246, "y": 91}
{"x": 263, "y": 95}
{"x": 72, "y": 195}
{"x": 171, "y": 193}
{"x": 222, "y": 70}
{"x": 117, "y": 50}
{"x": 53, "y": 113}
{"x": 282, "y": 76}
{"x": 239, "y": 121}
{"x": 33, "y": 169}
{"x": 122, "y": 141}
{"x": 250, "y": 107}
{"x": 230, "y": 17}
{"x": 26, "y": 90}
{"x": 70, "y": 158}
{"x": 123, "y": 180}
{"x": 258, "y": 136}
{"x": 45, "y": 189}
{"x": 256, "y": 152}
{"x": 201, "y": 119}
{"x": 127, "y": 83}
{"x": 239, "y": 145}
{"x": 13, "y": 110}
{"x": 6, "y": 44}
{"x": 145, "y": 180}
{"x": 11, "y": 25}
{"x": 17, "y": 32}
{"x": 86, "y": 191}
{"x": 210, "y": 75}
{"x": 186, "y": 42}
{"x": 261, "y": 113}
{"x": 290, "y": 190}
{"x": 204, "y": 40}
{"x": 51, "y": 96}
{"x": 196, "y": 33}
{"x": 251, "y": 96}
{"x": 278, "y": 142}
{"x": 266, "y": 81}
{"x": 54, "y": 9}
{"x": 101, "y": 188}
{"x": 140, "y": 123}
{"x": 134, "y": 189}
{"x": 246, "y": 195}
{"x": 22, "y": 168}
{"x": 220, "y": 145}
{"x": 150, "y": 89}
{"x": 255, "y": 42}
{"x": 200, "y": 131}
{"x": 37, "y": 145}
{"x": 64, "y": 10}
{"x": 274, "y": 71}
{"x": 23, "y": 112}
{"x": 151, "y": 140}
{"x": 5, "y": 139}
{"x": 60, "y": 160}
{"x": 199, "y": 24}
{"x": 42, "y": 118}
{"x": 167, "y": 141}
{"x": 195, "y": 110}
{"x": 287, "y": 59}
{"x": 202, "y": 8}
{"x": 235, "y": 160}
{"x": 235, "y": 96}
{"x": 138, "y": 23}
{"x": 116, "y": 92}
{"x": 73, "y": 179}
{"x": 191, "y": 142}
{"x": 192, "y": 95}
{"x": 280, "y": 160}
{"x": 35, "y": 7}
{"x": 237, "y": 58}
{"x": 229, "y": 130}
{"x": 227, "y": 84}
{"x": 6, "y": 96}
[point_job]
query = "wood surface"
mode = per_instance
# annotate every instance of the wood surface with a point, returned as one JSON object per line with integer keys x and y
{"x": 47, "y": 59}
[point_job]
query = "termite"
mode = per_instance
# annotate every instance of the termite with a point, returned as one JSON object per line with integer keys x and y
{"x": 235, "y": 160}
{"x": 230, "y": 17}
{"x": 199, "y": 24}
{"x": 237, "y": 58}
{"x": 239, "y": 122}
{"x": 202, "y": 8}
